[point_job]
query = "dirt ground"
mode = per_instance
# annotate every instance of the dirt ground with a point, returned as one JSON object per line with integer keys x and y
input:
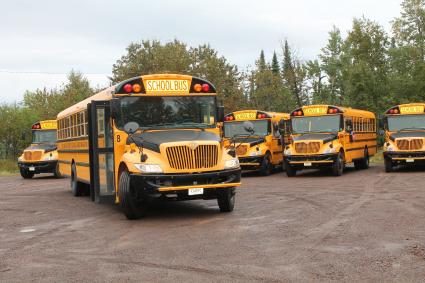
{"x": 364, "y": 226}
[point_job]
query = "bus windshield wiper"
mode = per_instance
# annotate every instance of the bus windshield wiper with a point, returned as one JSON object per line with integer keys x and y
{"x": 177, "y": 124}
{"x": 411, "y": 129}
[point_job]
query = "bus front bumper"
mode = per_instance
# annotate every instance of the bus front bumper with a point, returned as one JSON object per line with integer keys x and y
{"x": 311, "y": 161}
{"x": 405, "y": 157}
{"x": 38, "y": 167}
{"x": 251, "y": 162}
{"x": 181, "y": 183}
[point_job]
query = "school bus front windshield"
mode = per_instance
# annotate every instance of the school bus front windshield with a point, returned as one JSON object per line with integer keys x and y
{"x": 170, "y": 112}
{"x": 43, "y": 136}
{"x": 317, "y": 124}
{"x": 406, "y": 122}
{"x": 261, "y": 128}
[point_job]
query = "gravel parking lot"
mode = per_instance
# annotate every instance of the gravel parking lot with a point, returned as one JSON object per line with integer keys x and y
{"x": 364, "y": 226}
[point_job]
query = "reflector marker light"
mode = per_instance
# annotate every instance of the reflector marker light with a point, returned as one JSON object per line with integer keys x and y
{"x": 205, "y": 88}
{"x": 197, "y": 87}
{"x": 128, "y": 88}
{"x": 137, "y": 88}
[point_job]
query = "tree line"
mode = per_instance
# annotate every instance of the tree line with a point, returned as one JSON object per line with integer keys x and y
{"x": 366, "y": 68}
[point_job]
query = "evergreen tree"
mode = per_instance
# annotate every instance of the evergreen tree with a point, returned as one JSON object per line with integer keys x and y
{"x": 275, "y": 65}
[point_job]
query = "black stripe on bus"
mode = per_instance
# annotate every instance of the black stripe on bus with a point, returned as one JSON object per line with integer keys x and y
{"x": 363, "y": 140}
{"x": 359, "y": 148}
{"x": 73, "y": 151}
{"x": 84, "y": 164}
{"x": 73, "y": 139}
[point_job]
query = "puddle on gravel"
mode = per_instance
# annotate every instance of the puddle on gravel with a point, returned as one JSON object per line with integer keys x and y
{"x": 28, "y": 230}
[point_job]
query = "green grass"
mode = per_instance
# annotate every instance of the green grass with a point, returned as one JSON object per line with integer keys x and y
{"x": 8, "y": 167}
{"x": 378, "y": 157}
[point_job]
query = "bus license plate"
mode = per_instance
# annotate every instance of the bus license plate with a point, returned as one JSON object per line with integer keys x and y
{"x": 307, "y": 164}
{"x": 410, "y": 160}
{"x": 31, "y": 168}
{"x": 196, "y": 191}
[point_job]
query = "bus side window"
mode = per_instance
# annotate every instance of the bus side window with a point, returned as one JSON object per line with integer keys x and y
{"x": 348, "y": 125}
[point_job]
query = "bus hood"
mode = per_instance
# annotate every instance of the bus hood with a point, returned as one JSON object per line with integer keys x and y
{"x": 324, "y": 137}
{"x": 409, "y": 134}
{"x": 153, "y": 140}
{"x": 42, "y": 146}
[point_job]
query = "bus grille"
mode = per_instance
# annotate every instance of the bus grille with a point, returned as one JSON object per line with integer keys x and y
{"x": 32, "y": 155}
{"x": 241, "y": 150}
{"x": 183, "y": 157}
{"x": 307, "y": 147}
{"x": 414, "y": 144}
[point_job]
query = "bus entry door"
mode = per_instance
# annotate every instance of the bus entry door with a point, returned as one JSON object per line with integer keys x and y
{"x": 101, "y": 152}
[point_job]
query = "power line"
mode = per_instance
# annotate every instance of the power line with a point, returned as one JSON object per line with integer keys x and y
{"x": 47, "y": 73}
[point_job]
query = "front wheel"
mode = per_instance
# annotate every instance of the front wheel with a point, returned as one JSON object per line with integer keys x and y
{"x": 266, "y": 165}
{"x": 389, "y": 166}
{"x": 132, "y": 208}
{"x": 77, "y": 187}
{"x": 26, "y": 174}
{"x": 362, "y": 163}
{"x": 338, "y": 165}
{"x": 290, "y": 170}
{"x": 57, "y": 173}
{"x": 226, "y": 199}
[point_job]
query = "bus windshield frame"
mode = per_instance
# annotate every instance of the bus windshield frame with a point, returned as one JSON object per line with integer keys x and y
{"x": 264, "y": 130}
{"x": 44, "y": 136}
{"x": 405, "y": 122}
{"x": 159, "y": 112}
{"x": 304, "y": 124}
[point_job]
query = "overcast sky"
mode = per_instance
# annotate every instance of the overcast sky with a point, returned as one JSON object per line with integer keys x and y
{"x": 41, "y": 41}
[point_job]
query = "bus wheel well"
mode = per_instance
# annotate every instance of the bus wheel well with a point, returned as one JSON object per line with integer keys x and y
{"x": 122, "y": 168}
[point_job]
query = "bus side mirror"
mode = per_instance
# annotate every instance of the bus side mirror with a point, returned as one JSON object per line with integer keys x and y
{"x": 282, "y": 127}
{"x": 249, "y": 127}
{"x": 381, "y": 132}
{"x": 268, "y": 139}
{"x": 220, "y": 114}
{"x": 115, "y": 107}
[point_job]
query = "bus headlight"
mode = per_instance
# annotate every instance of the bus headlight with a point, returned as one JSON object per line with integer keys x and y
{"x": 255, "y": 153}
{"x": 149, "y": 168}
{"x": 232, "y": 163}
{"x": 390, "y": 148}
{"x": 287, "y": 151}
{"x": 329, "y": 150}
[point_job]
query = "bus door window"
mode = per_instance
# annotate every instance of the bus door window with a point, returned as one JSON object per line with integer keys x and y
{"x": 106, "y": 159}
{"x": 349, "y": 128}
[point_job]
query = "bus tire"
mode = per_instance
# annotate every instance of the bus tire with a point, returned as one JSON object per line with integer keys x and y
{"x": 338, "y": 165}
{"x": 290, "y": 171}
{"x": 226, "y": 199}
{"x": 26, "y": 174}
{"x": 57, "y": 173}
{"x": 283, "y": 166}
{"x": 131, "y": 208}
{"x": 364, "y": 162}
{"x": 77, "y": 188}
{"x": 389, "y": 166}
{"x": 266, "y": 165}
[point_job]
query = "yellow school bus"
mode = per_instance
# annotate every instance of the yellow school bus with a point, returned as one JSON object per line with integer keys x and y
{"x": 262, "y": 150}
{"x": 330, "y": 136}
{"x": 41, "y": 156}
{"x": 153, "y": 136}
{"x": 404, "y": 135}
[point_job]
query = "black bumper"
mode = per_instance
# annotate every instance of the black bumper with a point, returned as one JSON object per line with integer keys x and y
{"x": 318, "y": 160}
{"x": 163, "y": 183}
{"x": 248, "y": 163}
{"x": 39, "y": 167}
{"x": 394, "y": 155}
